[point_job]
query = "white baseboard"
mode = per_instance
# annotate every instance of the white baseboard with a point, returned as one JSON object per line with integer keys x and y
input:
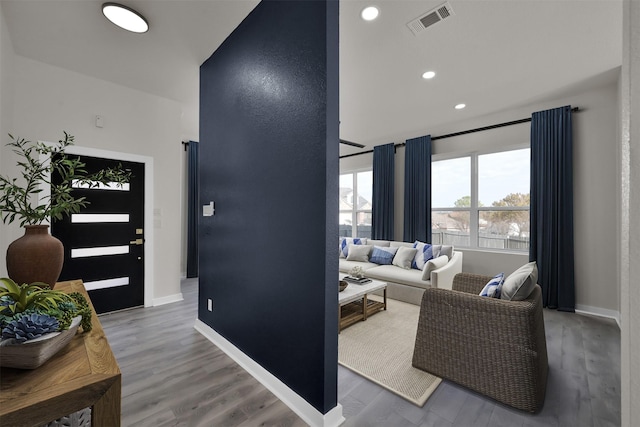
{"x": 600, "y": 312}
{"x": 168, "y": 299}
{"x": 304, "y": 409}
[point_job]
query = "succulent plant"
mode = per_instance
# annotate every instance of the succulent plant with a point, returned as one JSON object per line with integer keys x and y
{"x": 5, "y": 302}
{"x": 65, "y": 317}
{"x": 67, "y": 306}
{"x": 83, "y": 309}
{"x": 16, "y": 301}
{"x": 30, "y": 326}
{"x": 9, "y": 317}
{"x": 24, "y": 297}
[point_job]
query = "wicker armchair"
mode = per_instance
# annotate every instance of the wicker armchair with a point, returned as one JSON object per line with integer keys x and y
{"x": 492, "y": 346}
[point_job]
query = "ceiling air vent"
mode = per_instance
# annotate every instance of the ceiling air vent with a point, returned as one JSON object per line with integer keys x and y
{"x": 428, "y": 19}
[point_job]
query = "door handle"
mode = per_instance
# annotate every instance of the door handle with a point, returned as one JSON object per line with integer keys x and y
{"x": 136, "y": 242}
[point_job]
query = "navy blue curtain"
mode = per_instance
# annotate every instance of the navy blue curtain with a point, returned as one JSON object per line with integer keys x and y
{"x": 552, "y": 206}
{"x": 192, "y": 209}
{"x": 383, "y": 190}
{"x": 417, "y": 189}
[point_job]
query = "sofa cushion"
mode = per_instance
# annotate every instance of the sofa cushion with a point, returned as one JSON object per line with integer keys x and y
{"x": 391, "y": 273}
{"x": 359, "y": 252}
{"x": 423, "y": 255}
{"x": 519, "y": 284}
{"x": 395, "y": 244}
{"x": 433, "y": 264}
{"x": 404, "y": 257}
{"x": 345, "y": 241}
{"x": 493, "y": 288}
{"x": 346, "y": 266}
{"x": 381, "y": 243}
{"x": 383, "y": 255}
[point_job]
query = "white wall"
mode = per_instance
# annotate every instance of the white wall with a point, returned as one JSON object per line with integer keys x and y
{"x": 595, "y": 188}
{"x": 49, "y": 100}
{"x": 629, "y": 194}
{"x": 6, "y": 90}
{"x": 6, "y": 113}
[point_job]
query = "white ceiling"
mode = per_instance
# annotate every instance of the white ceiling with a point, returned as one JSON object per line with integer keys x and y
{"x": 491, "y": 54}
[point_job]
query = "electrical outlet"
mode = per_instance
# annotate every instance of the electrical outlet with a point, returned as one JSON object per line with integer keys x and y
{"x": 210, "y": 304}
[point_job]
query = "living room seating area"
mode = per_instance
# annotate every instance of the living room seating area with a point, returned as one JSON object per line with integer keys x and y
{"x": 484, "y": 333}
{"x": 408, "y": 268}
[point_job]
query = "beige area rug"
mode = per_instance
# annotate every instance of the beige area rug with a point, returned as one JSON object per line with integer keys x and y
{"x": 381, "y": 348}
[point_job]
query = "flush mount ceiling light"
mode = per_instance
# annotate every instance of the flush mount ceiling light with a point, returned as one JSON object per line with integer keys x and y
{"x": 428, "y": 75}
{"x": 369, "y": 13}
{"x": 460, "y": 106}
{"x": 125, "y": 17}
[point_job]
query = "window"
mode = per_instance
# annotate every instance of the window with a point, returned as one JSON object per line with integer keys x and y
{"x": 482, "y": 200}
{"x": 450, "y": 194}
{"x": 356, "y": 191}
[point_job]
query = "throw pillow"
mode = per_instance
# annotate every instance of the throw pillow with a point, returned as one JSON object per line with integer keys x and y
{"x": 433, "y": 264}
{"x": 358, "y": 253}
{"x": 383, "y": 255}
{"x": 439, "y": 250}
{"x": 493, "y": 287}
{"x": 435, "y": 250}
{"x": 344, "y": 244}
{"x": 404, "y": 257}
{"x": 519, "y": 284}
{"x": 446, "y": 250}
{"x": 423, "y": 255}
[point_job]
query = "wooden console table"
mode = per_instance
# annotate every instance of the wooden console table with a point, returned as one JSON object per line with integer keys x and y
{"x": 83, "y": 374}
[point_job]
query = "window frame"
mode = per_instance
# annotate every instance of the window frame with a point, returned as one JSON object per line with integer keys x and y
{"x": 474, "y": 210}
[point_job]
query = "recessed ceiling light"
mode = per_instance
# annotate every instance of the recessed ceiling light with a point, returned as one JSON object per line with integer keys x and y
{"x": 125, "y": 17}
{"x": 369, "y": 13}
{"x": 460, "y": 106}
{"x": 428, "y": 75}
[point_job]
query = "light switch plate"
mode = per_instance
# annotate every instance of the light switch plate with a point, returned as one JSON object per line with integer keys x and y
{"x": 208, "y": 210}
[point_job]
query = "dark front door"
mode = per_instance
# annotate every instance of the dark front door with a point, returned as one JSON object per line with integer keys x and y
{"x": 104, "y": 243}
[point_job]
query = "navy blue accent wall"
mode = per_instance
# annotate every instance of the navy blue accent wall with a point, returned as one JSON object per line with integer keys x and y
{"x": 269, "y": 161}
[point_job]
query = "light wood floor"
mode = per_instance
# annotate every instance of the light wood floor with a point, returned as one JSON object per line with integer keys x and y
{"x": 173, "y": 376}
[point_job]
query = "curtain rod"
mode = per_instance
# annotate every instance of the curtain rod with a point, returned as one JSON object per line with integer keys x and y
{"x": 186, "y": 144}
{"x": 464, "y": 132}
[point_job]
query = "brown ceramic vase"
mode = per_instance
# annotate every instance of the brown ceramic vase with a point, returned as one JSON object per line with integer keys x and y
{"x": 35, "y": 257}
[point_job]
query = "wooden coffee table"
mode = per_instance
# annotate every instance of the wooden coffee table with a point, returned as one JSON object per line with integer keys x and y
{"x": 354, "y": 304}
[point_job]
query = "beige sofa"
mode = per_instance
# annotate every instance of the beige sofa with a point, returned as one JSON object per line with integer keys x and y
{"x": 406, "y": 284}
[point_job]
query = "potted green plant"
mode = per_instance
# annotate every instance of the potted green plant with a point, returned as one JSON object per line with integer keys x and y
{"x": 36, "y": 322}
{"x": 37, "y": 256}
